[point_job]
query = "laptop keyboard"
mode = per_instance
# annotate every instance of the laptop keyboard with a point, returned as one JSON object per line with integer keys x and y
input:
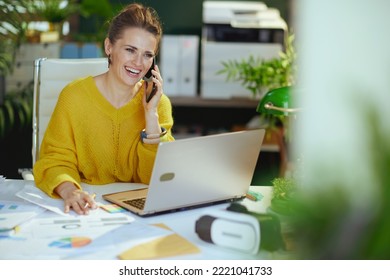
{"x": 137, "y": 203}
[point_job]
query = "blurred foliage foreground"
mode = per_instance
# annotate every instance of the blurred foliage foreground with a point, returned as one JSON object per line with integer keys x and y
{"x": 328, "y": 225}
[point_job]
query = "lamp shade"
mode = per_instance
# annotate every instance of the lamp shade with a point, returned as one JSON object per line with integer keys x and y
{"x": 277, "y": 102}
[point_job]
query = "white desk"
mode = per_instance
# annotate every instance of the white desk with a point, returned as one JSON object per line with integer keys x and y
{"x": 183, "y": 223}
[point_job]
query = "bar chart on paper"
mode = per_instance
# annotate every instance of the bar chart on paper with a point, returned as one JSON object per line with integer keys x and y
{"x": 70, "y": 242}
{"x": 14, "y": 207}
{"x": 8, "y": 207}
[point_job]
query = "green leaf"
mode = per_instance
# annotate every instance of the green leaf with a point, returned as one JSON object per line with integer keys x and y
{"x": 21, "y": 115}
{"x": 10, "y": 113}
{"x": 27, "y": 110}
{"x": 2, "y": 123}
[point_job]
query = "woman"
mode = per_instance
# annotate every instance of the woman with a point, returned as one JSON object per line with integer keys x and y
{"x": 103, "y": 130}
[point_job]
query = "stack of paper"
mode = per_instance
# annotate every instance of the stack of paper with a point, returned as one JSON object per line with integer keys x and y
{"x": 9, "y": 222}
{"x": 13, "y": 214}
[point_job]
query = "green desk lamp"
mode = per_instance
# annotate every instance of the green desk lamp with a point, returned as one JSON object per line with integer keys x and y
{"x": 277, "y": 102}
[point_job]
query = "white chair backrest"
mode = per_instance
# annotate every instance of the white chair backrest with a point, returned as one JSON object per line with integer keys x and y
{"x": 50, "y": 77}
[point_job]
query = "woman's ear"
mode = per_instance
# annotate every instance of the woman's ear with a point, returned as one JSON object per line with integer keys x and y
{"x": 107, "y": 46}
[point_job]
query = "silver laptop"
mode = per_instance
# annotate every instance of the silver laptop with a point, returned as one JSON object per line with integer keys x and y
{"x": 196, "y": 172}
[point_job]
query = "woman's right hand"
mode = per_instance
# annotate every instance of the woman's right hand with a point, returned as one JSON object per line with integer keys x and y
{"x": 80, "y": 201}
{"x": 158, "y": 83}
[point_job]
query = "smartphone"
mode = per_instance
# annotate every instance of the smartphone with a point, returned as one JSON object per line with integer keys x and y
{"x": 150, "y": 86}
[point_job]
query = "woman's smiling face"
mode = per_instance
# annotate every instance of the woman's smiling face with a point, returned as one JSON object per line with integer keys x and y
{"x": 132, "y": 54}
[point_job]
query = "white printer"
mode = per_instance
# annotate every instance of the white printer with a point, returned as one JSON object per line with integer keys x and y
{"x": 234, "y": 30}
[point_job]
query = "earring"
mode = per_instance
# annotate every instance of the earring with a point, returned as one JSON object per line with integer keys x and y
{"x": 109, "y": 60}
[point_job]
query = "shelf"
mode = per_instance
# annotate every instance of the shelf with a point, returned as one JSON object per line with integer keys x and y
{"x": 203, "y": 116}
{"x": 197, "y": 101}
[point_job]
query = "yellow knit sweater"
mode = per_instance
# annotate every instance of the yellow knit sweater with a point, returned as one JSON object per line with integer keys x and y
{"x": 88, "y": 140}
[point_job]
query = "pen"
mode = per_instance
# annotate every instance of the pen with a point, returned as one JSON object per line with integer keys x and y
{"x": 87, "y": 204}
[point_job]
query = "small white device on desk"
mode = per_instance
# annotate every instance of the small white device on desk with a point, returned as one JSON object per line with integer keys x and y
{"x": 239, "y": 229}
{"x": 229, "y": 229}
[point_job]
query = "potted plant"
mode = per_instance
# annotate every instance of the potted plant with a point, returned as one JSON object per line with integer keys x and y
{"x": 13, "y": 28}
{"x": 13, "y": 106}
{"x": 55, "y": 12}
{"x": 283, "y": 206}
{"x": 16, "y": 111}
{"x": 283, "y": 191}
{"x": 259, "y": 75}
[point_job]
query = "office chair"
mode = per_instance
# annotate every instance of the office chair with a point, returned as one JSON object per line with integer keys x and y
{"x": 50, "y": 77}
